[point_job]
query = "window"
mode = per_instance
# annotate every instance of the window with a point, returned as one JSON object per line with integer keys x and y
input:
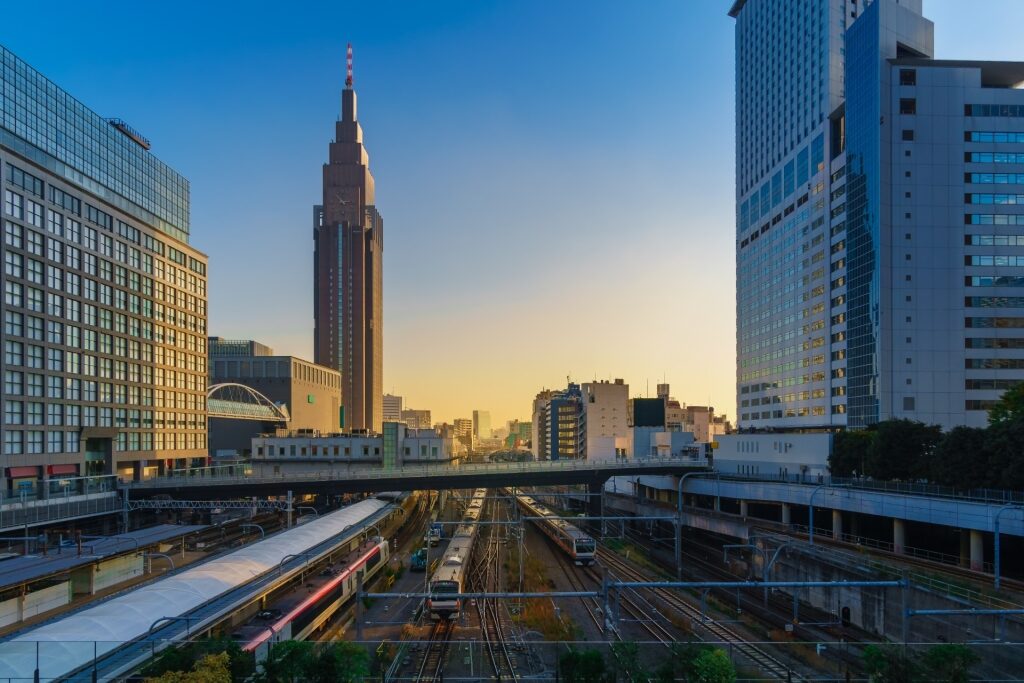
{"x": 908, "y": 105}
{"x": 908, "y": 136}
{"x": 13, "y": 444}
{"x": 908, "y": 77}
{"x": 908, "y": 403}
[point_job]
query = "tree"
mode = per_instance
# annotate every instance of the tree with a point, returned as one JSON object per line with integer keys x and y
{"x": 1010, "y": 406}
{"x": 890, "y": 665}
{"x": 184, "y": 658}
{"x": 626, "y": 660}
{"x": 961, "y": 459}
{"x": 712, "y": 666}
{"x": 950, "y": 663}
{"x": 586, "y": 666}
{"x": 339, "y": 662}
{"x": 901, "y": 449}
{"x": 209, "y": 669}
{"x": 850, "y": 452}
{"x": 286, "y": 662}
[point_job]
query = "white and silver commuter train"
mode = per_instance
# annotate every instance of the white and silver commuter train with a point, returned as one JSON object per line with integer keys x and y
{"x": 69, "y": 644}
{"x": 302, "y": 620}
{"x": 567, "y": 536}
{"x": 449, "y": 578}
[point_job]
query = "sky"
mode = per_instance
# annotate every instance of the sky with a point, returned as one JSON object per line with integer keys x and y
{"x": 556, "y": 178}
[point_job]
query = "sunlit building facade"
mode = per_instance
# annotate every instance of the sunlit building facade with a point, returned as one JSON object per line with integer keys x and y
{"x": 104, "y": 310}
{"x": 878, "y": 266}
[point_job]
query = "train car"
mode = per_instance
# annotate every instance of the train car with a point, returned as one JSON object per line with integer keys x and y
{"x": 573, "y": 542}
{"x": 305, "y": 618}
{"x": 449, "y": 578}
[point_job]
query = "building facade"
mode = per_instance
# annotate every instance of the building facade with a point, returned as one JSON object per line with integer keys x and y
{"x": 348, "y": 234}
{"x": 606, "y": 415}
{"x": 104, "y": 299}
{"x": 481, "y": 424}
{"x": 878, "y": 257}
{"x": 310, "y": 393}
{"x": 560, "y": 424}
{"x": 392, "y": 407}
{"x": 393, "y": 447}
{"x": 224, "y": 348}
{"x": 416, "y": 419}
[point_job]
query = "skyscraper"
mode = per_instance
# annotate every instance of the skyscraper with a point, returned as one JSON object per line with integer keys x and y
{"x": 481, "y": 424}
{"x": 348, "y": 234}
{"x": 104, "y": 299}
{"x": 877, "y": 239}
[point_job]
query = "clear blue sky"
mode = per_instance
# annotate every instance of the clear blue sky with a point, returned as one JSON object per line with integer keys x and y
{"x": 555, "y": 177}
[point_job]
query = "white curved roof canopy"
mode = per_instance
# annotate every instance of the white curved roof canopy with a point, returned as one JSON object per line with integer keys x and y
{"x": 70, "y": 643}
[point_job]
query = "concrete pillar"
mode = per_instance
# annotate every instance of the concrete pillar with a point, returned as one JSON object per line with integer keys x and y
{"x": 977, "y": 551}
{"x": 744, "y": 509}
{"x": 787, "y": 513}
{"x": 837, "y": 524}
{"x": 965, "y": 548}
{"x": 899, "y": 536}
{"x": 718, "y": 504}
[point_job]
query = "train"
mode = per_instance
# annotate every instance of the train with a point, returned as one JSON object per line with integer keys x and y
{"x": 450, "y": 577}
{"x": 573, "y": 542}
{"x": 305, "y": 618}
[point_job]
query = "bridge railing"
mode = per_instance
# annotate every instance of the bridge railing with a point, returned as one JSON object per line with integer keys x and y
{"x": 248, "y": 473}
{"x": 904, "y": 487}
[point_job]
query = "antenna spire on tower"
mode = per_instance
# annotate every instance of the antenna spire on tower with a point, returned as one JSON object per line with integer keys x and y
{"x": 348, "y": 67}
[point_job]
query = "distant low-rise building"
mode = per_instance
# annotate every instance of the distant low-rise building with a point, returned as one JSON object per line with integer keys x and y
{"x": 310, "y": 393}
{"x": 392, "y": 408}
{"x": 396, "y": 446}
{"x": 416, "y": 419}
{"x": 560, "y": 424}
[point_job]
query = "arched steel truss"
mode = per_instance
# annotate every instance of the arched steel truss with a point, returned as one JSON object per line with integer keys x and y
{"x": 234, "y": 401}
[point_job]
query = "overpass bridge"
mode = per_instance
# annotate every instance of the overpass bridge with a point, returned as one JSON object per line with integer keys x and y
{"x": 230, "y": 481}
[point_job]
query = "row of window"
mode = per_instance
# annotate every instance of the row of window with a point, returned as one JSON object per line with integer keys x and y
{"x": 994, "y": 364}
{"x": 1001, "y": 110}
{"x": 18, "y": 442}
{"x": 992, "y": 136}
{"x": 73, "y": 230}
{"x": 994, "y": 178}
{"x": 994, "y": 301}
{"x": 1004, "y": 199}
{"x": 36, "y": 385}
{"x": 34, "y": 413}
{"x": 997, "y": 260}
{"x": 993, "y": 219}
{"x": 806, "y": 411}
{"x": 994, "y": 240}
{"x": 34, "y": 186}
{"x": 1002, "y": 322}
{"x": 994, "y": 157}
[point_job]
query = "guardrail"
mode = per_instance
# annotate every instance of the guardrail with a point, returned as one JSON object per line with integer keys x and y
{"x": 245, "y": 473}
{"x": 908, "y": 488}
{"x": 17, "y": 515}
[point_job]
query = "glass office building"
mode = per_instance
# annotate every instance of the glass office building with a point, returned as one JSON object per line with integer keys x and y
{"x": 878, "y": 268}
{"x": 104, "y": 308}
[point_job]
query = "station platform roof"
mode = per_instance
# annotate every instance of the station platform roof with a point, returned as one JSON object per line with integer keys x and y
{"x": 28, "y": 568}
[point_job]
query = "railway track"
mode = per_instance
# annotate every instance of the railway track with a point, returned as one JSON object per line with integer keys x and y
{"x": 432, "y": 665}
{"x": 766, "y": 662}
{"x": 491, "y": 625}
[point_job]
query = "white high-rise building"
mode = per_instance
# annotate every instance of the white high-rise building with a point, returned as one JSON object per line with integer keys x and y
{"x": 606, "y": 416}
{"x": 877, "y": 226}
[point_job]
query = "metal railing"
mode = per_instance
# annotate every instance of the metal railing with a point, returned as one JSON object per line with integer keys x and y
{"x": 907, "y": 488}
{"x": 19, "y": 515}
{"x": 245, "y": 473}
